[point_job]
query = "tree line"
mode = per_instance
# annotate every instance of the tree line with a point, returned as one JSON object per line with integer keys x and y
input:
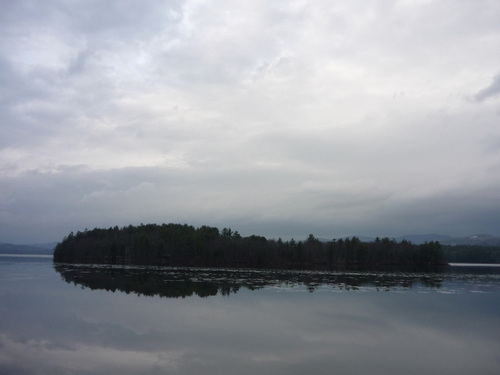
{"x": 187, "y": 246}
{"x": 471, "y": 254}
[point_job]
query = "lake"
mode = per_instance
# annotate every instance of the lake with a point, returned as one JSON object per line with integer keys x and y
{"x": 129, "y": 320}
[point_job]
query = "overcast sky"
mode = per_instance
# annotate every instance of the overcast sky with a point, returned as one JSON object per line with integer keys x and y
{"x": 279, "y": 118}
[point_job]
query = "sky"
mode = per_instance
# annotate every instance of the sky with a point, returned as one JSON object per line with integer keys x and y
{"x": 277, "y": 118}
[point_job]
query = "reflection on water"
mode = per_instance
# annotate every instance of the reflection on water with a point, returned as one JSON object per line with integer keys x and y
{"x": 185, "y": 282}
{"x": 96, "y": 320}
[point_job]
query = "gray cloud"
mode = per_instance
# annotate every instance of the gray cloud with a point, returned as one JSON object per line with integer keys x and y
{"x": 491, "y": 91}
{"x": 281, "y": 119}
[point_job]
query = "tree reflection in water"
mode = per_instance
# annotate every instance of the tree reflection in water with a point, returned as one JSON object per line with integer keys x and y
{"x": 202, "y": 282}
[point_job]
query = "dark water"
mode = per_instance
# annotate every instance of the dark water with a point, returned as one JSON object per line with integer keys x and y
{"x": 93, "y": 320}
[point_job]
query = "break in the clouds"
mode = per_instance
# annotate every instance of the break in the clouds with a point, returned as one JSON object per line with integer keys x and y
{"x": 277, "y": 118}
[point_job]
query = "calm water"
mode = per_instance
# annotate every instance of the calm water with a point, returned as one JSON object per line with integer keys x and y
{"x": 95, "y": 320}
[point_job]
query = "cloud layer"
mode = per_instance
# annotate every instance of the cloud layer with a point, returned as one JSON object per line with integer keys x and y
{"x": 276, "y": 118}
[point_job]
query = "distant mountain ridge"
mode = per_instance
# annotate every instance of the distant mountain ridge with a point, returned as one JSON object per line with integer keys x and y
{"x": 473, "y": 240}
{"x": 39, "y": 249}
{"x": 421, "y": 238}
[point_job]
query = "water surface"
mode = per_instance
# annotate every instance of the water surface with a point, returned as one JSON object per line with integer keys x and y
{"x": 126, "y": 320}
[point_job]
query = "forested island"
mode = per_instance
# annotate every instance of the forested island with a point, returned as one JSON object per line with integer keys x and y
{"x": 471, "y": 254}
{"x": 182, "y": 245}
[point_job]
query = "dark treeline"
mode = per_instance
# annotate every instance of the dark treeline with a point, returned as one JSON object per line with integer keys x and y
{"x": 187, "y": 246}
{"x": 471, "y": 254}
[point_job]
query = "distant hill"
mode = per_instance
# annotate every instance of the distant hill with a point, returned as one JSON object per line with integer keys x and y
{"x": 363, "y": 238}
{"x": 359, "y": 237}
{"x": 49, "y": 245}
{"x": 474, "y": 240}
{"x": 42, "y": 249}
{"x": 422, "y": 238}
{"x": 418, "y": 239}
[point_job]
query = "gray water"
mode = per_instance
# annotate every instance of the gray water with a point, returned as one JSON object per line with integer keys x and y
{"x": 96, "y": 320}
